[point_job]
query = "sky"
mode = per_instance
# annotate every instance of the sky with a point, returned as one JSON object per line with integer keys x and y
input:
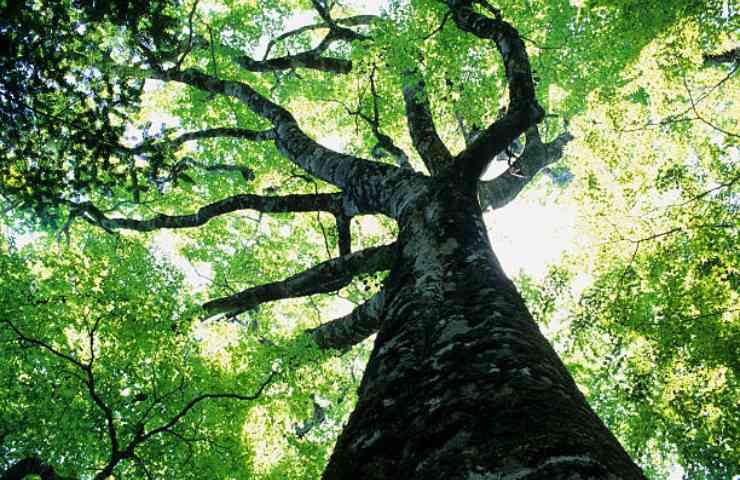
{"x": 527, "y": 235}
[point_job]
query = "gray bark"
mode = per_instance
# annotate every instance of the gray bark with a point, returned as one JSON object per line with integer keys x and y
{"x": 523, "y": 111}
{"x": 461, "y": 384}
{"x": 320, "y": 202}
{"x": 427, "y": 143}
{"x": 349, "y": 330}
{"x": 376, "y": 186}
{"x": 537, "y": 155}
{"x": 325, "y": 277}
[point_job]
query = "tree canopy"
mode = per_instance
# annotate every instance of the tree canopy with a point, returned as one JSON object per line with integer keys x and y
{"x": 200, "y": 285}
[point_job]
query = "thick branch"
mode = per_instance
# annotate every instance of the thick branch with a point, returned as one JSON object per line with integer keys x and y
{"x": 523, "y": 110}
{"x": 31, "y": 466}
{"x": 503, "y": 189}
{"x": 386, "y": 144}
{"x": 344, "y": 234}
{"x": 323, "y": 12}
{"x": 366, "y": 181}
{"x": 432, "y": 150}
{"x": 726, "y": 57}
{"x": 344, "y": 332}
{"x": 325, "y": 277}
{"x": 309, "y": 59}
{"x": 326, "y": 202}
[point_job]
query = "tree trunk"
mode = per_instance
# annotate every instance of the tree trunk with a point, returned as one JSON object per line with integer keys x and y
{"x": 461, "y": 384}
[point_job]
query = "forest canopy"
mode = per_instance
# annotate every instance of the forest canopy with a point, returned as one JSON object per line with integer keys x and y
{"x": 204, "y": 207}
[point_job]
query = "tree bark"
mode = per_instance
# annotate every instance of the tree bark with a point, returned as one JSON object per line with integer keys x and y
{"x": 461, "y": 384}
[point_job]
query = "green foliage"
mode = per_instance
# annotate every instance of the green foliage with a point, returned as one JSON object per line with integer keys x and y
{"x": 653, "y": 339}
{"x": 109, "y": 303}
{"x": 66, "y": 115}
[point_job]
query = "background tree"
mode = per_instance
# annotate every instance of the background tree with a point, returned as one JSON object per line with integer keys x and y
{"x": 67, "y": 158}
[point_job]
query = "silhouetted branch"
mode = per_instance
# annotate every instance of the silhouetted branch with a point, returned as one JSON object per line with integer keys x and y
{"x": 327, "y": 202}
{"x": 344, "y": 234}
{"x": 195, "y": 401}
{"x": 424, "y": 135}
{"x": 537, "y": 155}
{"x": 348, "y": 21}
{"x": 344, "y": 332}
{"x": 726, "y": 57}
{"x": 325, "y": 277}
{"x": 313, "y": 58}
{"x": 523, "y": 111}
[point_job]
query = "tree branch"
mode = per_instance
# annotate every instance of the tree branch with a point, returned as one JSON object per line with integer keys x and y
{"x": 726, "y": 57}
{"x": 313, "y": 58}
{"x": 45, "y": 346}
{"x": 344, "y": 234}
{"x": 701, "y": 118}
{"x": 344, "y": 332}
{"x": 384, "y": 141}
{"x": 104, "y": 407}
{"x": 246, "y": 172}
{"x": 385, "y": 144}
{"x": 323, "y": 12}
{"x": 365, "y": 181}
{"x": 503, "y": 189}
{"x": 310, "y": 59}
{"x": 348, "y": 21}
{"x": 89, "y": 382}
{"x": 107, "y": 412}
{"x": 432, "y": 150}
{"x": 328, "y": 202}
{"x": 523, "y": 110}
{"x": 221, "y": 132}
{"x": 192, "y": 403}
{"x": 325, "y": 277}
{"x": 150, "y": 146}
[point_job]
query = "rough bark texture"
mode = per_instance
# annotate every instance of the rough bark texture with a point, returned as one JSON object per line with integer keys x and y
{"x": 537, "y": 155}
{"x": 461, "y": 384}
{"x": 349, "y": 330}
{"x": 325, "y": 277}
{"x": 427, "y": 143}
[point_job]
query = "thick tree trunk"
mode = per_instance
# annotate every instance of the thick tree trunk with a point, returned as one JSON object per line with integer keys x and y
{"x": 461, "y": 384}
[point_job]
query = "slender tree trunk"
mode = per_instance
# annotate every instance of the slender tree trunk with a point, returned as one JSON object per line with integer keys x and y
{"x": 461, "y": 384}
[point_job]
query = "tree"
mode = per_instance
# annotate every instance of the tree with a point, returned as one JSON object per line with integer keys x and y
{"x": 460, "y": 383}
